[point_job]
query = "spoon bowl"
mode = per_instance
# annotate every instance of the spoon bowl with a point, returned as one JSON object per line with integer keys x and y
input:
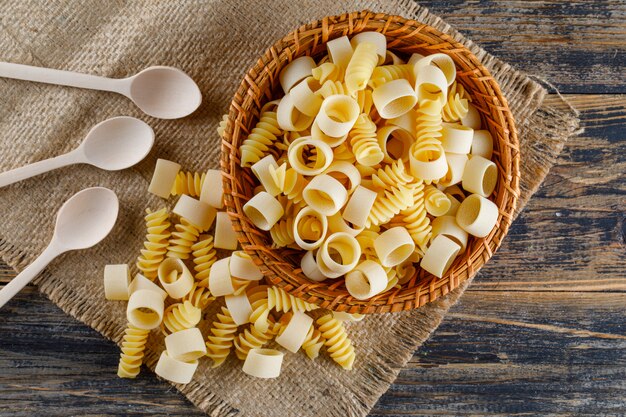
{"x": 117, "y": 143}
{"x": 86, "y": 218}
{"x": 165, "y": 92}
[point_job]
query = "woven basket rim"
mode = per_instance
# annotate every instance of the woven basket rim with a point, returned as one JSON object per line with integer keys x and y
{"x": 402, "y": 34}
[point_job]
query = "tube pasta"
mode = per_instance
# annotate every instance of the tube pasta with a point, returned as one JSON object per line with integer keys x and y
{"x": 348, "y": 249}
{"x": 263, "y": 210}
{"x": 364, "y": 143}
{"x": 395, "y": 142}
{"x": 456, "y": 139}
{"x": 239, "y": 307}
{"x": 336, "y": 340}
{"x": 336, "y": 224}
{"x": 337, "y": 115}
{"x": 263, "y": 363}
{"x": 116, "y": 282}
{"x": 477, "y": 215}
{"x": 441, "y": 61}
{"x": 185, "y": 345}
{"x": 262, "y": 170}
{"x": 292, "y": 335}
{"x": 225, "y": 235}
{"x": 480, "y": 176}
{"x": 242, "y": 266}
{"x": 456, "y": 166}
{"x": 375, "y": 38}
{"x": 220, "y": 341}
{"x": 180, "y": 316}
{"x": 346, "y": 173}
{"x": 482, "y": 144}
{"x": 197, "y": 213}
{"x": 394, "y": 98}
{"x": 296, "y": 71}
{"x": 436, "y": 202}
{"x": 430, "y": 84}
{"x": 145, "y": 309}
{"x": 133, "y": 346}
{"x": 304, "y": 97}
{"x": 310, "y": 269}
{"x": 142, "y": 283}
{"x": 366, "y": 280}
{"x": 440, "y": 255}
{"x": 212, "y": 192}
{"x": 175, "y": 278}
{"x": 325, "y": 194}
{"x": 156, "y": 244}
{"x": 406, "y": 122}
{"x": 164, "y": 177}
{"x": 220, "y": 280}
{"x": 340, "y": 51}
{"x": 296, "y": 156}
{"x": 472, "y": 118}
{"x": 175, "y": 370}
{"x": 447, "y": 225}
{"x": 311, "y": 236}
{"x": 359, "y": 206}
{"x": 394, "y": 246}
{"x": 264, "y": 134}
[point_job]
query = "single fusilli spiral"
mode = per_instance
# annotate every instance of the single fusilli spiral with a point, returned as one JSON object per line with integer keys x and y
{"x": 392, "y": 278}
{"x": 199, "y": 296}
{"x": 133, "y": 345}
{"x": 288, "y": 181}
{"x": 182, "y": 240}
{"x": 204, "y": 256}
{"x": 337, "y": 343}
{"x": 155, "y": 246}
{"x": 252, "y": 338}
{"x": 221, "y": 339}
{"x": 281, "y": 301}
{"x": 415, "y": 220}
{"x": 427, "y": 146}
{"x": 258, "y": 142}
{"x": 221, "y": 128}
{"x": 180, "y": 316}
{"x": 388, "y": 204}
{"x": 313, "y": 342}
{"x": 405, "y": 271}
{"x": 282, "y": 232}
{"x": 327, "y": 71}
{"x": 360, "y": 68}
{"x": 260, "y": 309}
{"x": 391, "y": 175}
{"x": 457, "y": 105}
{"x": 436, "y": 202}
{"x": 189, "y": 183}
{"x": 364, "y": 142}
{"x": 386, "y": 73}
{"x": 366, "y": 241}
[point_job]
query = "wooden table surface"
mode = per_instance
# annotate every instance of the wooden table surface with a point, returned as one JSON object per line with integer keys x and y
{"x": 540, "y": 332}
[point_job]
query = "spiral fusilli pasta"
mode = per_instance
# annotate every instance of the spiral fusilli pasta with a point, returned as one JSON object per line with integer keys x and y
{"x": 327, "y": 72}
{"x": 155, "y": 246}
{"x": 330, "y": 88}
{"x": 337, "y": 343}
{"x": 182, "y": 240}
{"x": 388, "y": 204}
{"x": 221, "y": 339}
{"x": 416, "y": 221}
{"x": 436, "y": 202}
{"x": 252, "y": 338}
{"x": 189, "y": 183}
{"x": 457, "y": 105}
{"x": 281, "y": 301}
{"x": 364, "y": 142}
{"x": 282, "y": 232}
{"x": 262, "y": 136}
{"x": 288, "y": 181}
{"x": 199, "y": 296}
{"x": 133, "y": 345}
{"x": 391, "y": 175}
{"x": 221, "y": 127}
{"x": 180, "y": 316}
{"x": 203, "y": 255}
{"x": 362, "y": 64}
{"x": 313, "y": 343}
{"x": 386, "y": 73}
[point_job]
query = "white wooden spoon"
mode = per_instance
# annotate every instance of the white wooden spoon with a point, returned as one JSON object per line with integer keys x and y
{"x": 114, "y": 144}
{"x": 82, "y": 222}
{"x": 162, "y": 92}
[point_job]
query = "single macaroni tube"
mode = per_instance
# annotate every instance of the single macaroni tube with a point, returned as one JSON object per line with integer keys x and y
{"x": 263, "y": 363}
{"x": 225, "y": 235}
{"x": 304, "y": 97}
{"x": 185, "y": 345}
{"x": 163, "y": 178}
{"x": 295, "y": 332}
{"x": 295, "y": 155}
{"x": 456, "y": 139}
{"x": 310, "y": 268}
{"x": 261, "y": 170}
{"x": 145, "y": 309}
{"x": 430, "y": 83}
{"x": 442, "y": 61}
{"x": 212, "y": 192}
{"x": 447, "y": 225}
{"x": 302, "y": 215}
{"x": 348, "y": 249}
{"x": 359, "y": 206}
{"x": 346, "y": 169}
{"x": 477, "y": 215}
{"x": 316, "y": 133}
{"x": 366, "y": 280}
{"x": 220, "y": 281}
{"x": 480, "y": 176}
{"x": 243, "y": 267}
{"x": 394, "y": 246}
{"x": 142, "y": 283}
{"x": 239, "y": 308}
{"x": 482, "y": 144}
{"x": 196, "y": 212}
{"x": 175, "y": 278}
{"x": 440, "y": 255}
{"x": 337, "y": 115}
{"x": 340, "y": 51}
{"x": 296, "y": 71}
{"x": 174, "y": 370}
{"x": 325, "y": 194}
{"x": 405, "y": 122}
{"x": 456, "y": 166}
{"x": 116, "y": 282}
{"x": 428, "y": 170}
{"x": 263, "y": 210}
{"x": 289, "y": 117}
{"x": 394, "y": 98}
{"x": 336, "y": 223}
{"x": 395, "y": 142}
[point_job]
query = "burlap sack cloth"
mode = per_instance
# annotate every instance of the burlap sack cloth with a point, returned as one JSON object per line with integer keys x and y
{"x": 215, "y": 42}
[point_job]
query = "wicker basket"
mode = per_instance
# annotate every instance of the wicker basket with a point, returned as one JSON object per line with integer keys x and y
{"x": 260, "y": 84}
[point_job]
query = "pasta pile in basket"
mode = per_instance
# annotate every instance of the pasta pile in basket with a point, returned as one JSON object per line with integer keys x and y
{"x": 168, "y": 297}
{"x": 371, "y": 166}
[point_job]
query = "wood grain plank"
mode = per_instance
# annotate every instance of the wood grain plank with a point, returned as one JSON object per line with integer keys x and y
{"x": 580, "y": 46}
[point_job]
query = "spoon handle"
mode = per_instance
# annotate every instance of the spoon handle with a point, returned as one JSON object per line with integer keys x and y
{"x": 27, "y": 275}
{"x": 36, "y": 168}
{"x": 54, "y": 76}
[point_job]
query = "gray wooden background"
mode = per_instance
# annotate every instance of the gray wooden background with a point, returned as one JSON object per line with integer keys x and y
{"x": 541, "y": 332}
